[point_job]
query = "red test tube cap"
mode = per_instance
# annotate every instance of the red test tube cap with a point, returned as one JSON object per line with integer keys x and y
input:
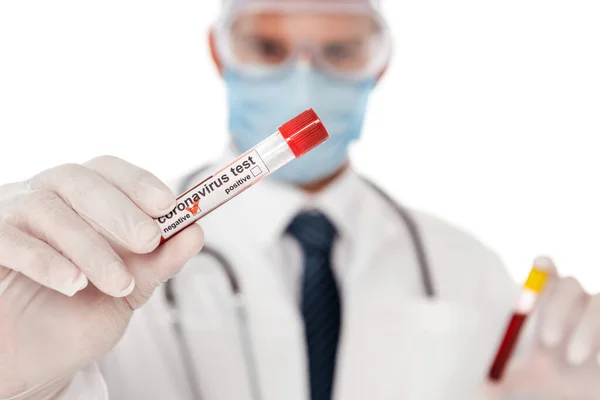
{"x": 304, "y": 132}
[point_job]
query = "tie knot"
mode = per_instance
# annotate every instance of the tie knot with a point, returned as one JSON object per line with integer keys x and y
{"x": 313, "y": 230}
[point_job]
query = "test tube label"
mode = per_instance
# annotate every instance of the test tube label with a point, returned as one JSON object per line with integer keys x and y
{"x": 209, "y": 194}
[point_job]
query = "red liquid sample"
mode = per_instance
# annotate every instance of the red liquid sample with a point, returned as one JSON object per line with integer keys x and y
{"x": 507, "y": 346}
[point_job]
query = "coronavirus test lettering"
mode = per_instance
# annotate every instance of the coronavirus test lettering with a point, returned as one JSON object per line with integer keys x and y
{"x": 293, "y": 139}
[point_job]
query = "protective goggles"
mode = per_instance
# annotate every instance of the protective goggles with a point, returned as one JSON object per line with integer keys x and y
{"x": 264, "y": 38}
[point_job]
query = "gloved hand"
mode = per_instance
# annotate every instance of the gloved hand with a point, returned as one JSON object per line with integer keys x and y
{"x": 565, "y": 361}
{"x": 78, "y": 254}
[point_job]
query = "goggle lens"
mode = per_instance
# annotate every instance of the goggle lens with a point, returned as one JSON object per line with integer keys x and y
{"x": 346, "y": 44}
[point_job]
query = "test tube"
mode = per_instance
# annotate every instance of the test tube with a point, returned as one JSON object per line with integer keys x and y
{"x": 292, "y": 140}
{"x": 530, "y": 293}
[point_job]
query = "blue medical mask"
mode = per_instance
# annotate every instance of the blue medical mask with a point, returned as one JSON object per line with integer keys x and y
{"x": 259, "y": 105}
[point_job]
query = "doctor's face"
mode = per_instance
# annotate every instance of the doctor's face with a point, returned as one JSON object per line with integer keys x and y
{"x": 264, "y": 55}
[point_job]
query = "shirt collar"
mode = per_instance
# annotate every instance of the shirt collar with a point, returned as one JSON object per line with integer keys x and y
{"x": 272, "y": 205}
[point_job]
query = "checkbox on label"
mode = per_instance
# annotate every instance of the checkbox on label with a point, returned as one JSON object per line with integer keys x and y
{"x": 256, "y": 171}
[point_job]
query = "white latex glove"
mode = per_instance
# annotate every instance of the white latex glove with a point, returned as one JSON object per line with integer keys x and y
{"x": 565, "y": 361}
{"x": 78, "y": 254}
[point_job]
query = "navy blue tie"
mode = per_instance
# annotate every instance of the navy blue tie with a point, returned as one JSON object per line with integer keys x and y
{"x": 320, "y": 300}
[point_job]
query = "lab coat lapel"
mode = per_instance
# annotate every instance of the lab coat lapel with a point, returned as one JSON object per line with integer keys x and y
{"x": 398, "y": 344}
{"x": 275, "y": 330}
{"x": 278, "y": 342}
{"x": 273, "y": 318}
{"x": 367, "y": 366}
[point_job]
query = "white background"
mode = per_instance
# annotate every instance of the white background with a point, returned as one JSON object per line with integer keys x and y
{"x": 489, "y": 116}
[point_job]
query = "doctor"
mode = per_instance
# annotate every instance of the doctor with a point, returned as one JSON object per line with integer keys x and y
{"x": 343, "y": 298}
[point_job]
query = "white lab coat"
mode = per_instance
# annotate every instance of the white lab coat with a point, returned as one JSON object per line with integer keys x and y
{"x": 396, "y": 343}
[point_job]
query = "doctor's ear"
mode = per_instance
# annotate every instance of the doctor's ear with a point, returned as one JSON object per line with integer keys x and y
{"x": 213, "y": 51}
{"x": 383, "y": 72}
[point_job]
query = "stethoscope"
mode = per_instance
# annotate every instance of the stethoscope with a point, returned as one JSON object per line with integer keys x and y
{"x": 237, "y": 291}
